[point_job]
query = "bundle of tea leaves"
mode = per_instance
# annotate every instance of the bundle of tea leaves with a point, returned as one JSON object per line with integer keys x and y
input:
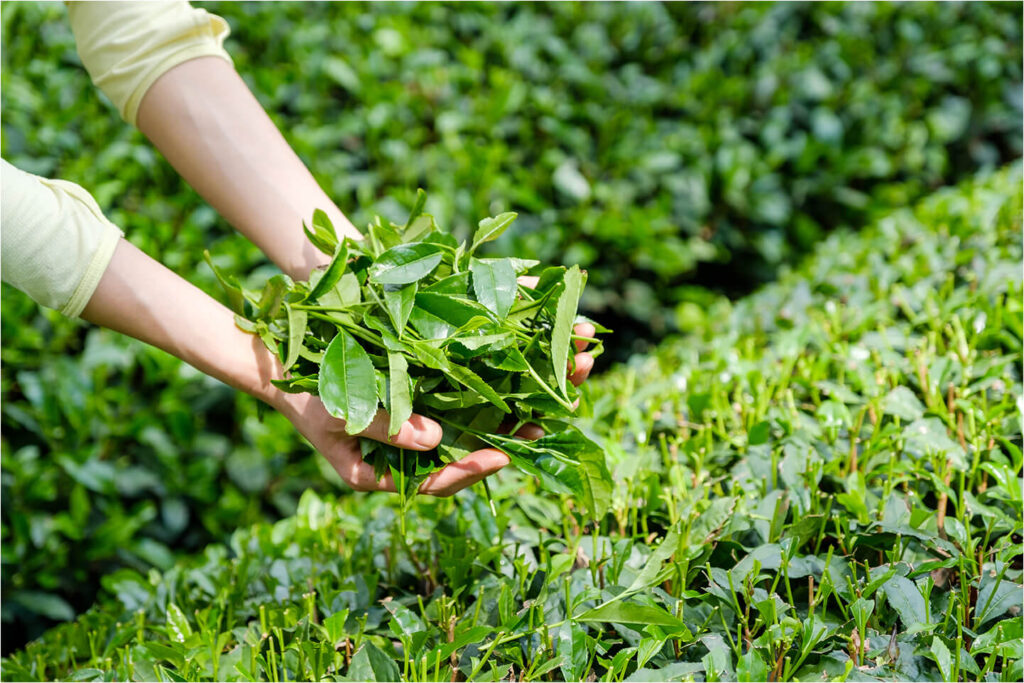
{"x": 410, "y": 320}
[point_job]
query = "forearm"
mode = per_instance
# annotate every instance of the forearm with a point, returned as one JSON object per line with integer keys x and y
{"x": 141, "y": 298}
{"x": 209, "y": 126}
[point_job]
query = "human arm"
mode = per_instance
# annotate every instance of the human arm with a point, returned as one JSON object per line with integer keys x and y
{"x": 201, "y": 115}
{"x": 141, "y": 298}
{"x": 211, "y": 128}
{"x": 163, "y": 65}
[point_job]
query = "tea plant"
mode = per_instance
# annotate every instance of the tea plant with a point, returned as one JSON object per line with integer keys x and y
{"x": 823, "y": 481}
{"x": 728, "y": 140}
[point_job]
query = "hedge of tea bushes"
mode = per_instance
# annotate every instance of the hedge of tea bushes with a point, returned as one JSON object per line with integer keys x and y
{"x": 665, "y": 148}
{"x": 821, "y": 481}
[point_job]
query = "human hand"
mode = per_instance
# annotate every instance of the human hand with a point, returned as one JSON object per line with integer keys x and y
{"x": 327, "y": 434}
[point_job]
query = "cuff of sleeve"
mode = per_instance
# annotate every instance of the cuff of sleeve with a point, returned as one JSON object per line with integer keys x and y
{"x": 93, "y": 273}
{"x": 131, "y": 107}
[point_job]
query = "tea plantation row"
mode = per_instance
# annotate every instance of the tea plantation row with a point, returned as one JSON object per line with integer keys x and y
{"x": 655, "y": 145}
{"x": 823, "y": 480}
{"x": 728, "y": 138}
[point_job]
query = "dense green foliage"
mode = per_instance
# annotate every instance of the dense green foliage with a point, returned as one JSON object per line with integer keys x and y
{"x": 730, "y": 134}
{"x": 824, "y": 479}
{"x": 653, "y": 145}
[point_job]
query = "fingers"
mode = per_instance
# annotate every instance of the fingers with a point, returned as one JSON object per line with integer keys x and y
{"x": 584, "y": 363}
{"x": 359, "y": 475}
{"x": 466, "y": 472}
{"x": 530, "y": 432}
{"x": 529, "y": 281}
{"x": 417, "y": 433}
{"x": 584, "y": 330}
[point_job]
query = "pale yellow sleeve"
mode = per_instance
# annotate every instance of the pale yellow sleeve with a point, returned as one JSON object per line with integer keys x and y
{"x": 55, "y": 243}
{"x": 126, "y": 46}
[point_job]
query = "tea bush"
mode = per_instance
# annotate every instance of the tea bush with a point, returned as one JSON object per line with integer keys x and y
{"x": 659, "y": 146}
{"x": 823, "y": 480}
{"x": 727, "y": 138}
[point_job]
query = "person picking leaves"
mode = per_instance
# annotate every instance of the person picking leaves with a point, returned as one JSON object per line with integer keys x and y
{"x": 164, "y": 67}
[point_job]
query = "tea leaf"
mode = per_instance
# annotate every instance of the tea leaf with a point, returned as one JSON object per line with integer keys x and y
{"x": 323, "y": 235}
{"x": 494, "y": 283}
{"x": 296, "y": 332}
{"x": 417, "y": 209}
{"x": 370, "y": 663}
{"x": 398, "y": 382}
{"x": 331, "y": 275}
{"x": 399, "y": 303}
{"x": 565, "y": 315}
{"x": 405, "y": 263}
{"x": 491, "y": 228}
{"x": 347, "y": 383}
{"x": 178, "y": 626}
{"x": 629, "y": 613}
{"x": 436, "y": 359}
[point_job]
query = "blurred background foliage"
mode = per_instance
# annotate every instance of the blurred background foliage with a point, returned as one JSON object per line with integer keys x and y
{"x": 677, "y": 152}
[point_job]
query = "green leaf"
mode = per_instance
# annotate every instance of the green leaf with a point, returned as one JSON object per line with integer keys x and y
{"x": 997, "y": 596}
{"x": 759, "y": 433}
{"x": 751, "y": 667}
{"x": 429, "y": 325}
{"x": 434, "y": 358}
{"x": 452, "y": 309}
{"x": 491, "y": 228}
{"x": 417, "y": 208}
{"x": 383, "y": 235}
{"x": 335, "y": 627}
{"x": 1005, "y": 639}
{"x": 652, "y": 568}
{"x": 178, "y": 627}
{"x": 904, "y": 597}
{"x": 940, "y": 653}
{"x": 629, "y": 613}
{"x": 236, "y": 300}
{"x": 521, "y": 265}
{"x": 335, "y": 269}
{"x": 677, "y": 671}
{"x": 398, "y": 383}
{"x": 902, "y": 403}
{"x": 347, "y": 385}
{"x": 408, "y": 623}
{"x": 928, "y": 436}
{"x": 296, "y": 332}
{"x": 509, "y": 359}
{"x": 370, "y": 663}
{"x": 456, "y": 283}
{"x": 399, "y": 302}
{"x": 568, "y": 462}
{"x": 272, "y": 297}
{"x": 323, "y": 235}
{"x": 48, "y": 604}
{"x": 345, "y": 294}
{"x": 572, "y": 651}
{"x": 405, "y": 263}
{"x": 565, "y": 314}
{"x": 494, "y": 283}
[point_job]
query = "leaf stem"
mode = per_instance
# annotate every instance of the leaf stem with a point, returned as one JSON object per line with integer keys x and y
{"x": 548, "y": 390}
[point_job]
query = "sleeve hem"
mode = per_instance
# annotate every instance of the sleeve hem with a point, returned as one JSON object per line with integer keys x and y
{"x": 93, "y": 273}
{"x": 131, "y": 107}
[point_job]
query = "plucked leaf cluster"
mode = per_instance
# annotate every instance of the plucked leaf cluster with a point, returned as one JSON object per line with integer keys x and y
{"x": 411, "y": 320}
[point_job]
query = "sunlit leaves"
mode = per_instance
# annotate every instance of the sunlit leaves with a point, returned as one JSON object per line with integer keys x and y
{"x": 347, "y": 385}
